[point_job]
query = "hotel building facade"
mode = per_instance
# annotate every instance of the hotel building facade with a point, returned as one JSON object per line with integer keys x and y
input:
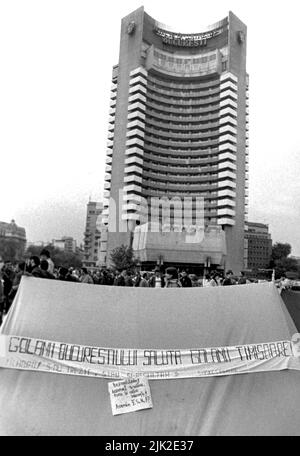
{"x": 178, "y": 129}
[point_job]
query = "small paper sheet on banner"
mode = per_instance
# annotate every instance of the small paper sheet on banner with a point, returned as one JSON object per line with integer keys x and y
{"x": 130, "y": 395}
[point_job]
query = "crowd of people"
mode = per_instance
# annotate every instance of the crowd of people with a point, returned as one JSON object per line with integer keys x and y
{"x": 42, "y": 266}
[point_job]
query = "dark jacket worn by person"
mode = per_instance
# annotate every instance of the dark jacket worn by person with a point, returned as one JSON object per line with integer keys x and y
{"x": 186, "y": 282}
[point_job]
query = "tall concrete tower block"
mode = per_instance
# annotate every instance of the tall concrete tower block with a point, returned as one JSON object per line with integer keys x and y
{"x": 178, "y": 128}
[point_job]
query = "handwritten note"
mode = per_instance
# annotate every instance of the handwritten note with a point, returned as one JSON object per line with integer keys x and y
{"x": 130, "y": 395}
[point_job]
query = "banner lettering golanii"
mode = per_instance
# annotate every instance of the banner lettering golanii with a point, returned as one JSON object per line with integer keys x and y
{"x": 27, "y": 353}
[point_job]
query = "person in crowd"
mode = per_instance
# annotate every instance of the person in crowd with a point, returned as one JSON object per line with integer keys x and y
{"x": 35, "y": 267}
{"x": 71, "y": 277}
{"x": 62, "y": 273}
{"x": 286, "y": 283}
{"x": 19, "y": 272}
{"x": 65, "y": 275}
{"x": 128, "y": 278}
{"x": 7, "y": 277}
{"x": 96, "y": 277}
{"x": 45, "y": 255}
{"x": 206, "y": 280}
{"x": 76, "y": 275}
{"x": 171, "y": 277}
{"x": 221, "y": 277}
{"x": 282, "y": 283}
{"x": 214, "y": 279}
{"x": 185, "y": 280}
{"x": 2, "y": 302}
{"x": 242, "y": 279}
{"x": 102, "y": 280}
{"x": 195, "y": 280}
{"x": 110, "y": 277}
{"x": 228, "y": 279}
{"x": 45, "y": 270}
{"x": 85, "y": 276}
{"x": 28, "y": 267}
{"x": 56, "y": 273}
{"x": 119, "y": 279}
{"x": 157, "y": 280}
{"x": 137, "y": 279}
{"x": 144, "y": 282}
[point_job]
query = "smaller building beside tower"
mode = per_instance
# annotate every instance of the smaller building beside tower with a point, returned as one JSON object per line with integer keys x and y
{"x": 92, "y": 234}
{"x": 66, "y": 243}
{"x": 258, "y": 246}
{"x": 12, "y": 241}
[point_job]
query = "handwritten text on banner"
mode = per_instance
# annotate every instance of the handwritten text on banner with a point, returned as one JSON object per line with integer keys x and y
{"x": 42, "y": 355}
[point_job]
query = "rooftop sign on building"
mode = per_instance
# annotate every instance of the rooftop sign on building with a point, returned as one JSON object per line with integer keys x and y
{"x": 189, "y": 40}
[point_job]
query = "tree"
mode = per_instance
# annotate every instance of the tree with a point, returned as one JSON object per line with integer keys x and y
{"x": 280, "y": 250}
{"x": 11, "y": 249}
{"x": 284, "y": 265}
{"x": 281, "y": 261}
{"x": 33, "y": 250}
{"x": 122, "y": 257}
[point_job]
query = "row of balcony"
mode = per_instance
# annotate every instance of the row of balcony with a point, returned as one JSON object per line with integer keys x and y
{"x": 189, "y": 111}
{"x": 178, "y": 127}
{"x": 213, "y": 82}
{"x": 180, "y": 102}
{"x": 195, "y": 166}
{"x": 208, "y": 215}
{"x": 179, "y": 118}
{"x": 136, "y": 146}
{"x": 179, "y": 179}
{"x": 214, "y": 130}
{"x": 180, "y": 170}
{"x": 156, "y": 208}
{"x": 200, "y": 99}
{"x": 178, "y": 187}
{"x": 182, "y": 144}
{"x": 178, "y": 135}
{"x": 228, "y": 170}
{"x": 169, "y": 160}
{"x": 184, "y": 93}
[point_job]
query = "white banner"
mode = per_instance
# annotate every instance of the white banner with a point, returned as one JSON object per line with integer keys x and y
{"x": 27, "y": 353}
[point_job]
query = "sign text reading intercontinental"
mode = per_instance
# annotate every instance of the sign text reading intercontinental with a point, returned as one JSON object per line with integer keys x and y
{"x": 186, "y": 40}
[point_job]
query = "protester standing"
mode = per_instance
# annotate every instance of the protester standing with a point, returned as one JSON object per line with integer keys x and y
{"x": 119, "y": 279}
{"x": 206, "y": 280}
{"x": 85, "y": 276}
{"x": 157, "y": 280}
{"x": 185, "y": 280}
{"x": 172, "y": 278}
{"x": 214, "y": 281}
{"x": 2, "y": 308}
{"x": 228, "y": 279}
{"x": 128, "y": 279}
{"x": 45, "y": 255}
{"x": 144, "y": 281}
{"x": 45, "y": 270}
{"x": 242, "y": 279}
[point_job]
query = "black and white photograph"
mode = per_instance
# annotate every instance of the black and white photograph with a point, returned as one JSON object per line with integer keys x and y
{"x": 149, "y": 221}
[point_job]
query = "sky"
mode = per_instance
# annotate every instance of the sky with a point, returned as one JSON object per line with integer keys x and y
{"x": 56, "y": 61}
